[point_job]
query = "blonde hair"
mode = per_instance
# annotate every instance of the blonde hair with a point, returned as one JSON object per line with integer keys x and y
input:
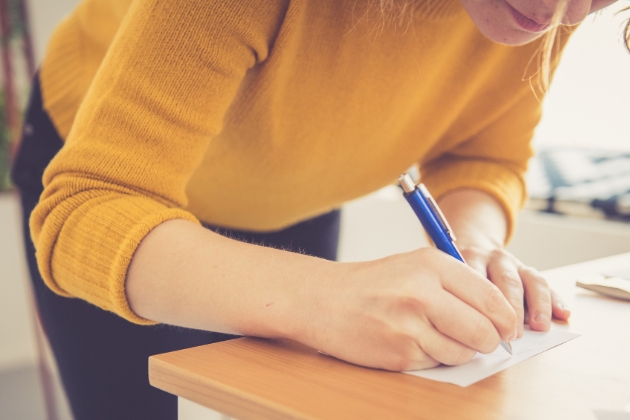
{"x": 626, "y": 30}
{"x": 389, "y": 13}
{"x": 549, "y": 44}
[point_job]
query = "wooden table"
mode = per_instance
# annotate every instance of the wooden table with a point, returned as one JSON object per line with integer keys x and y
{"x": 251, "y": 378}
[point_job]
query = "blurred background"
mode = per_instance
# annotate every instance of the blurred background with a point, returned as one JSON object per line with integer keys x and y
{"x": 579, "y": 182}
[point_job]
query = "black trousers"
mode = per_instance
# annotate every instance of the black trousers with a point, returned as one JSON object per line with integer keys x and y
{"x": 101, "y": 357}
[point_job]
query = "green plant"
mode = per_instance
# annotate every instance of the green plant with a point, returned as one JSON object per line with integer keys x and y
{"x": 16, "y": 50}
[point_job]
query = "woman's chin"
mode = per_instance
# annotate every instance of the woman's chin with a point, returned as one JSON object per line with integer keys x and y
{"x": 512, "y": 37}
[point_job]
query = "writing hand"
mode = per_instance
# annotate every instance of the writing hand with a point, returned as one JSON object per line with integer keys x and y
{"x": 409, "y": 311}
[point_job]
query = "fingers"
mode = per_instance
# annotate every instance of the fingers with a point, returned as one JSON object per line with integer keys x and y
{"x": 503, "y": 272}
{"x": 538, "y": 297}
{"x": 460, "y": 322}
{"x": 444, "y": 349}
{"x": 542, "y": 302}
{"x": 412, "y": 358}
{"x": 559, "y": 309}
{"x": 422, "y": 362}
{"x": 461, "y": 281}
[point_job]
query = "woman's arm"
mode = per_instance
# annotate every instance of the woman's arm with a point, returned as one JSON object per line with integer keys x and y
{"x": 159, "y": 97}
{"x": 480, "y": 225}
{"x": 186, "y": 275}
{"x": 407, "y": 311}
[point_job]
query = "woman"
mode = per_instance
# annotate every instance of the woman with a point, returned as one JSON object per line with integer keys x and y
{"x": 258, "y": 120}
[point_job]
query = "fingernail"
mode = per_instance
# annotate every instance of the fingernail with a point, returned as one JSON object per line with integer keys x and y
{"x": 564, "y": 307}
{"x": 542, "y": 318}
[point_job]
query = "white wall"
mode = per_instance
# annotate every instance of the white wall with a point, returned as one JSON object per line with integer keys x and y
{"x": 45, "y": 14}
{"x": 548, "y": 241}
{"x": 588, "y": 100}
{"x": 383, "y": 223}
{"x": 16, "y": 326}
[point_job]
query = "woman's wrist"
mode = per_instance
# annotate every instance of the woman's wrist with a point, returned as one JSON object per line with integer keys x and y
{"x": 316, "y": 304}
{"x": 308, "y": 303}
{"x": 477, "y": 219}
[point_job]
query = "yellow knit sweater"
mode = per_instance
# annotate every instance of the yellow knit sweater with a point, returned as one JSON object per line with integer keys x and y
{"x": 258, "y": 114}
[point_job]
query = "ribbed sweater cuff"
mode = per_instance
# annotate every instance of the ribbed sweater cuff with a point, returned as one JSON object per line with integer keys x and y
{"x": 505, "y": 185}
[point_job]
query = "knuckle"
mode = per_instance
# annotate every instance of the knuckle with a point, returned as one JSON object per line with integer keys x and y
{"x": 510, "y": 318}
{"x": 499, "y": 253}
{"x": 423, "y": 362}
{"x": 468, "y": 253}
{"x": 534, "y": 276}
{"x": 464, "y": 355}
{"x": 421, "y": 302}
{"x": 404, "y": 350}
{"x": 401, "y": 364}
{"x": 405, "y": 359}
{"x": 510, "y": 281}
{"x": 456, "y": 354}
{"x": 474, "y": 254}
{"x": 396, "y": 363}
{"x": 494, "y": 299}
{"x": 541, "y": 282}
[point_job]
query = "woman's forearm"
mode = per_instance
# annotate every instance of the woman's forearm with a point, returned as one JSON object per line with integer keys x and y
{"x": 183, "y": 274}
{"x": 407, "y": 311}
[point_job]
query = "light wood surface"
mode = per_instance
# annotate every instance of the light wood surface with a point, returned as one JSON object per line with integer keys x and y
{"x": 251, "y": 378}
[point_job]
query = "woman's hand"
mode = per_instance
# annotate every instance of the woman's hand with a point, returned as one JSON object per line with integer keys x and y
{"x": 480, "y": 225}
{"x": 527, "y": 291}
{"x": 408, "y": 311}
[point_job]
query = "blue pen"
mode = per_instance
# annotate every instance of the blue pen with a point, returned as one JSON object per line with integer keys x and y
{"x": 433, "y": 221}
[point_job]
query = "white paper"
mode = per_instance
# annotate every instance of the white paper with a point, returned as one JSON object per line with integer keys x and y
{"x": 484, "y": 365}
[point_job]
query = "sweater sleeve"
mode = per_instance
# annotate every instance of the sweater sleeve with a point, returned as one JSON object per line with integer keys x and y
{"x": 158, "y": 98}
{"x": 494, "y": 160}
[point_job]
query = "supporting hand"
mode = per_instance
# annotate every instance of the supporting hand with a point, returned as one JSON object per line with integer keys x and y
{"x": 526, "y": 290}
{"x": 480, "y": 225}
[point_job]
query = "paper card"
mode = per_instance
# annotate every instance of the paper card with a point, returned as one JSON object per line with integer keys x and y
{"x": 485, "y": 365}
{"x": 616, "y": 287}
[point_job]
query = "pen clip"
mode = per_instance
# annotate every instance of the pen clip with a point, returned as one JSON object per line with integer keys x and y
{"x": 437, "y": 212}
